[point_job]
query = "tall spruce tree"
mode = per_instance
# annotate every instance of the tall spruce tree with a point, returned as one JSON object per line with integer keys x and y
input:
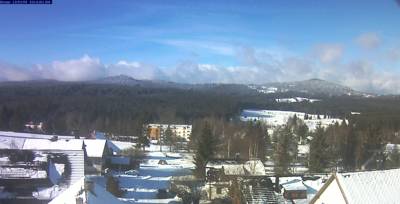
{"x": 348, "y": 147}
{"x": 143, "y": 139}
{"x": 205, "y": 149}
{"x": 285, "y": 149}
{"x": 318, "y": 151}
{"x": 169, "y": 137}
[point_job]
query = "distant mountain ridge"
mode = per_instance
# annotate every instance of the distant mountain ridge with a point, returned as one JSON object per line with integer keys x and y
{"x": 125, "y": 80}
{"x": 311, "y": 86}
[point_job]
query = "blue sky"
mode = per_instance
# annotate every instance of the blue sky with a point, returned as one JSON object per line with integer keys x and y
{"x": 224, "y": 41}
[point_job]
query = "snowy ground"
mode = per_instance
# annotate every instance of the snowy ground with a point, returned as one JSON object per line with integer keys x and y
{"x": 152, "y": 176}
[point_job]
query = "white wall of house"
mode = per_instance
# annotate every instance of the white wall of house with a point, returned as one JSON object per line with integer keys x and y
{"x": 217, "y": 191}
{"x": 331, "y": 195}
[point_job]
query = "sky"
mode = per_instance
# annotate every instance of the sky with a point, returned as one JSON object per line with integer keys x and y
{"x": 355, "y": 43}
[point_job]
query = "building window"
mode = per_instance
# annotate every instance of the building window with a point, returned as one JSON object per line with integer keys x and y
{"x": 219, "y": 190}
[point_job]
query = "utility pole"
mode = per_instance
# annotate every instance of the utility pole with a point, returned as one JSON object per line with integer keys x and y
{"x": 160, "y": 136}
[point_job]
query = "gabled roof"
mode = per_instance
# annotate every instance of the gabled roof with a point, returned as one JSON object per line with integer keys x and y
{"x": 45, "y": 144}
{"x": 118, "y": 146}
{"x": 367, "y": 187}
{"x": 95, "y": 148}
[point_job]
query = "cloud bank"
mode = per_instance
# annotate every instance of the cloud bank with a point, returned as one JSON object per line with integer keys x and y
{"x": 368, "y": 40}
{"x": 325, "y": 61}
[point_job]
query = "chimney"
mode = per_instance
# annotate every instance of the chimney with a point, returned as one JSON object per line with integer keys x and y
{"x": 277, "y": 185}
{"x": 54, "y": 138}
{"x": 89, "y": 185}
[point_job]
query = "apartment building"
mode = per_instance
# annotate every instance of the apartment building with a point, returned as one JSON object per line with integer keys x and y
{"x": 156, "y": 131}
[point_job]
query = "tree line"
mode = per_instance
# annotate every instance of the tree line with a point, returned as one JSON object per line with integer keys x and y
{"x": 355, "y": 144}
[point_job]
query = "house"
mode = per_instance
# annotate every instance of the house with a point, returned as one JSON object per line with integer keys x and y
{"x": 73, "y": 148}
{"x": 237, "y": 168}
{"x": 95, "y": 149}
{"x": 116, "y": 147}
{"x": 36, "y": 168}
{"x": 32, "y": 176}
{"x": 360, "y": 187}
{"x": 97, "y": 152}
{"x": 33, "y": 173}
{"x": 220, "y": 173}
{"x": 257, "y": 190}
{"x": 294, "y": 189}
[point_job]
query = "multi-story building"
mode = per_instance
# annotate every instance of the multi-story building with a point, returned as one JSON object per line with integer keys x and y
{"x": 156, "y": 131}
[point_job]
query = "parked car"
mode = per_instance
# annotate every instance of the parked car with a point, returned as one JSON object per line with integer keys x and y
{"x": 131, "y": 172}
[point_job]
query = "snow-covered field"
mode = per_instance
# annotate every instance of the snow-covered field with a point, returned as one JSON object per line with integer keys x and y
{"x": 152, "y": 175}
{"x": 296, "y": 100}
{"x": 276, "y": 118}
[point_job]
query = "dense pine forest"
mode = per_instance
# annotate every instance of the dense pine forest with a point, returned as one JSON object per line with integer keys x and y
{"x": 122, "y": 109}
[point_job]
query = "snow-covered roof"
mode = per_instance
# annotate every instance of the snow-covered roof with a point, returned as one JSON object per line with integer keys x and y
{"x": 234, "y": 169}
{"x": 48, "y": 193}
{"x": 12, "y": 172}
{"x": 60, "y": 144}
{"x": 303, "y": 149}
{"x": 95, "y": 148}
{"x": 294, "y": 185}
{"x": 118, "y": 146}
{"x": 11, "y": 142}
{"x": 32, "y": 135}
{"x": 252, "y": 167}
{"x": 97, "y": 195}
{"x": 392, "y": 147}
{"x": 367, "y": 187}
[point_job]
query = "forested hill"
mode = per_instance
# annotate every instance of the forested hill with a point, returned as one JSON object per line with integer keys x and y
{"x": 122, "y": 108}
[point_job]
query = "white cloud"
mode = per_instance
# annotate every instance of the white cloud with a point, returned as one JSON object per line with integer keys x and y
{"x": 329, "y": 53}
{"x": 82, "y": 69}
{"x": 394, "y": 53}
{"x": 85, "y": 68}
{"x": 13, "y": 73}
{"x": 256, "y": 67}
{"x": 368, "y": 40}
{"x": 325, "y": 61}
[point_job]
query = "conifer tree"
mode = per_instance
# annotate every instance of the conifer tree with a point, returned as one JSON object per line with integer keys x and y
{"x": 205, "y": 149}
{"x": 170, "y": 138}
{"x": 143, "y": 140}
{"x": 318, "y": 151}
{"x": 285, "y": 149}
